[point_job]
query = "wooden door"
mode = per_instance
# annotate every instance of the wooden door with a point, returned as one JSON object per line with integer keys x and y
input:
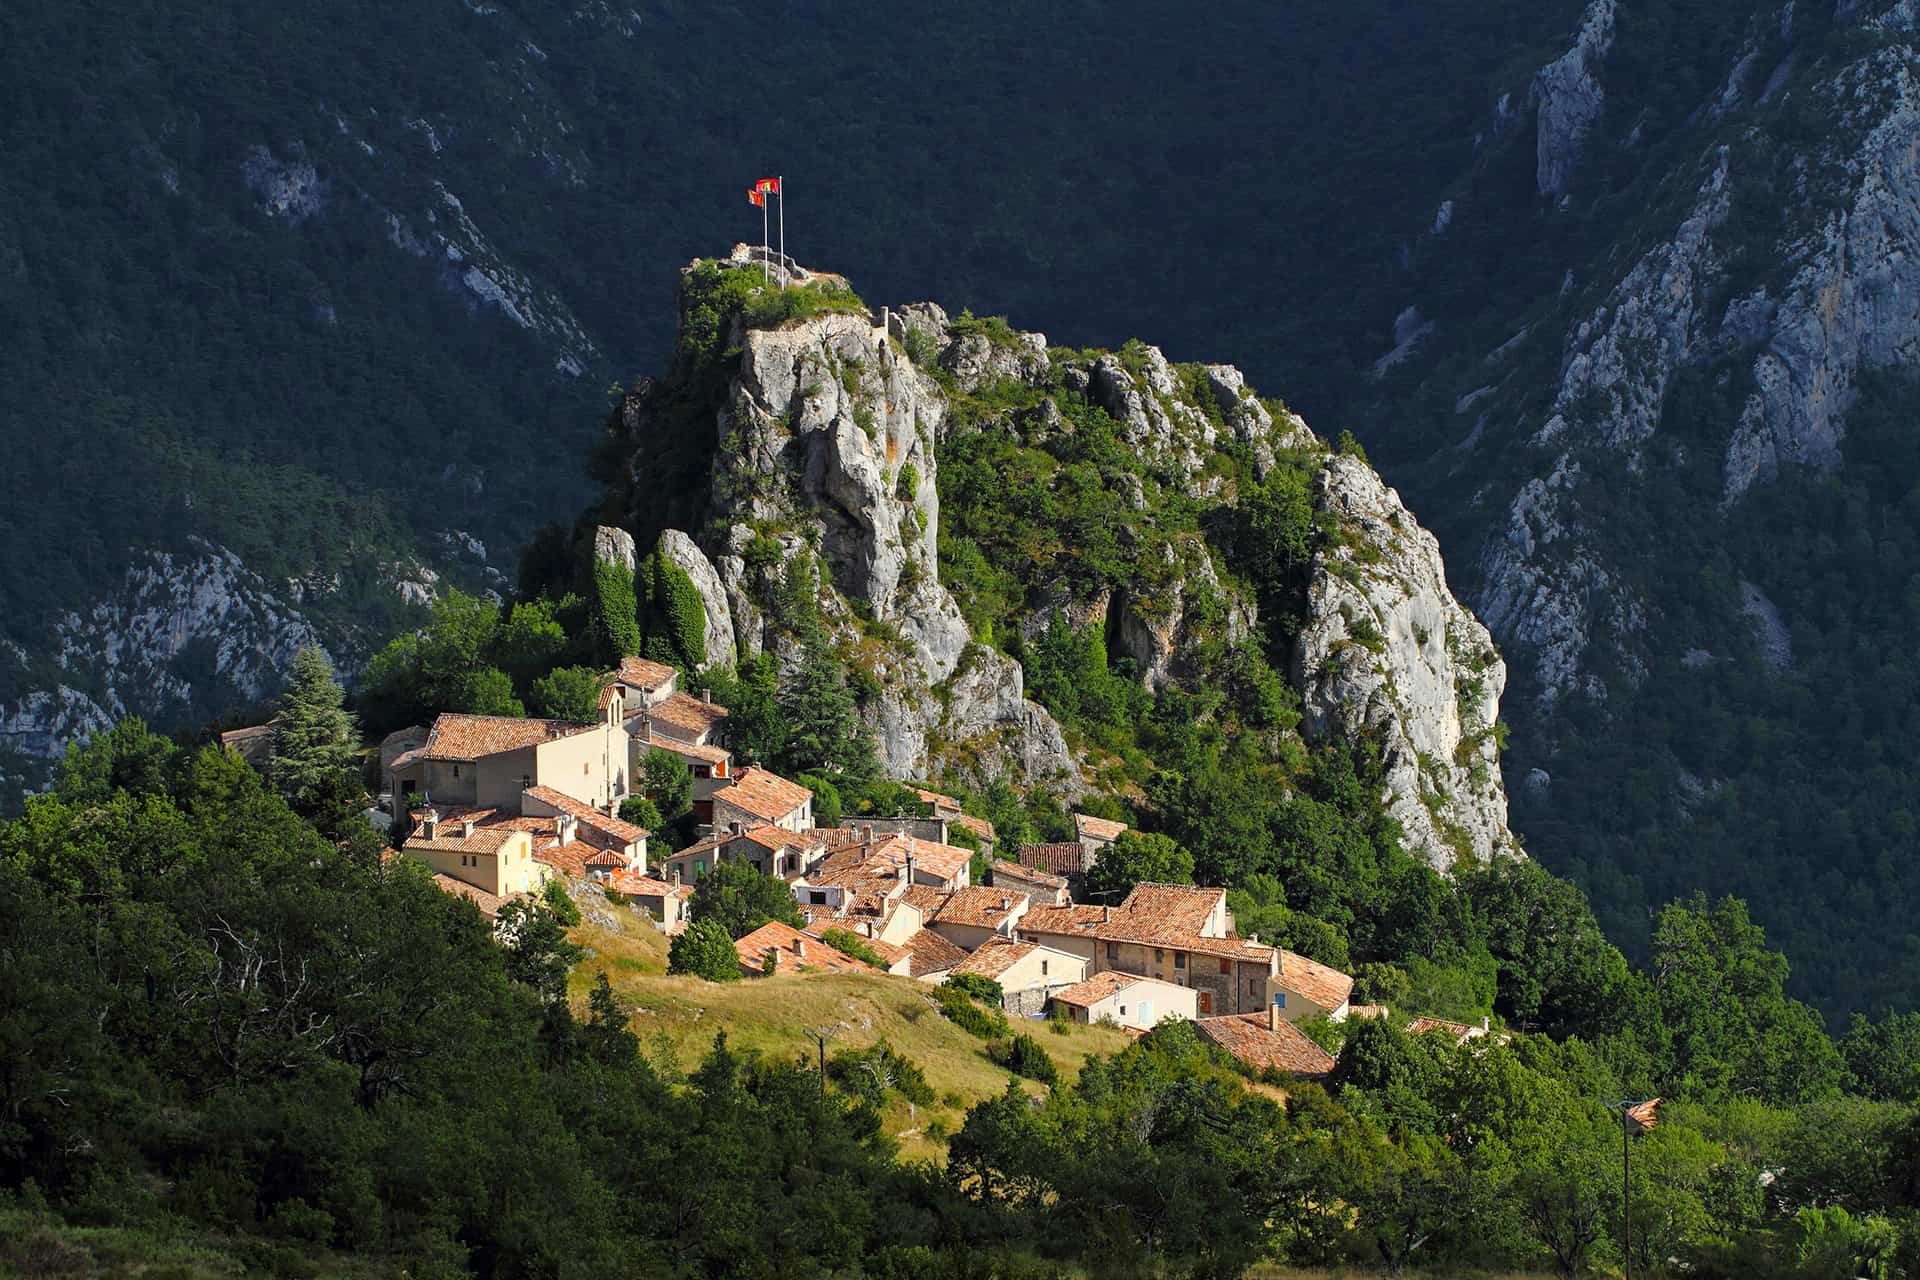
{"x": 1206, "y": 1003}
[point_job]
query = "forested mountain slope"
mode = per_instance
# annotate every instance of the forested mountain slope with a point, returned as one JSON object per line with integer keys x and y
{"x": 1670, "y": 448}
{"x": 337, "y": 292}
{"x": 319, "y": 305}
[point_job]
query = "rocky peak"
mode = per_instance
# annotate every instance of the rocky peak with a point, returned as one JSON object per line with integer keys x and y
{"x": 829, "y": 435}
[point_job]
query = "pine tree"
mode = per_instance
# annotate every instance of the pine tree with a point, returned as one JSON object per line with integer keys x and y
{"x": 314, "y": 737}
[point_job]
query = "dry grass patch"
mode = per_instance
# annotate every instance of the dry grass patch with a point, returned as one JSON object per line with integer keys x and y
{"x": 679, "y": 1016}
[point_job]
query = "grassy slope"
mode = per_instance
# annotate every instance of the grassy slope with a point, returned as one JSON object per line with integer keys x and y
{"x": 772, "y": 1015}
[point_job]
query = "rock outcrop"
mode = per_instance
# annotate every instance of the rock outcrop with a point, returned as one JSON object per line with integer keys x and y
{"x": 1568, "y": 100}
{"x": 1388, "y": 652}
{"x": 827, "y": 479}
{"x": 179, "y": 634}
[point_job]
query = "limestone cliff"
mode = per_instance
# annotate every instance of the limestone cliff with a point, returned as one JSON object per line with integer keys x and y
{"x": 826, "y": 465}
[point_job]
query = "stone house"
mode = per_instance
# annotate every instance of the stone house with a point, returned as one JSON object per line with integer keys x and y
{"x": 973, "y": 916}
{"x": 758, "y": 796}
{"x": 1043, "y": 888}
{"x": 666, "y": 902}
{"x": 1127, "y": 1000}
{"x": 488, "y": 761}
{"x": 1183, "y": 935}
{"x": 496, "y": 860}
{"x": 1093, "y": 835}
{"x": 253, "y": 744}
{"x": 1028, "y": 973}
{"x": 947, "y": 808}
{"x": 1267, "y": 1042}
{"x": 790, "y": 951}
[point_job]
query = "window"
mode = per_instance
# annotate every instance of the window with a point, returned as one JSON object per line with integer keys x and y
{"x": 1280, "y": 1000}
{"x": 1123, "y": 1011}
{"x": 816, "y": 897}
{"x": 1226, "y": 966}
{"x": 1158, "y": 955}
{"x": 1179, "y": 959}
{"x": 456, "y": 771}
{"x": 583, "y": 768}
{"x": 526, "y": 780}
{"x": 1043, "y": 968}
{"x": 1113, "y": 953}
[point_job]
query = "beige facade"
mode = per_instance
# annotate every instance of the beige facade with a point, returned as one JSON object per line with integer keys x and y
{"x": 590, "y": 763}
{"x": 503, "y": 870}
{"x": 1142, "y": 1004}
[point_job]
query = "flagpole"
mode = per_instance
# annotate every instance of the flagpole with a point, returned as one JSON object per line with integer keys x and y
{"x": 766, "y": 267}
{"x": 782, "y": 180}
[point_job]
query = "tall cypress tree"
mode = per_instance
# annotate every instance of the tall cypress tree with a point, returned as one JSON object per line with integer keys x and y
{"x": 314, "y": 737}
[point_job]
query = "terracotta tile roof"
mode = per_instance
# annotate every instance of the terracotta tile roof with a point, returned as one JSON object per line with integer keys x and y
{"x": 1367, "y": 1012}
{"x": 945, "y": 861}
{"x": 776, "y": 838}
{"x": 1079, "y": 921}
{"x": 763, "y": 794}
{"x": 981, "y": 907}
{"x": 1247, "y": 1037}
{"x": 1027, "y": 875}
{"x": 488, "y": 903}
{"x": 578, "y": 859}
{"x": 407, "y": 759}
{"x": 252, "y": 733}
{"x": 892, "y": 953}
{"x": 787, "y": 942}
{"x": 485, "y": 838}
{"x": 457, "y": 736}
{"x": 932, "y": 953}
{"x": 1063, "y": 859}
{"x": 928, "y": 899}
{"x": 1088, "y": 827}
{"x": 1084, "y": 995}
{"x": 615, "y": 828}
{"x": 979, "y": 826}
{"x": 935, "y": 799}
{"x": 1324, "y": 986}
{"x": 995, "y": 956}
{"x": 635, "y": 885}
{"x": 1460, "y": 1031}
{"x": 1179, "y": 908}
{"x": 704, "y": 752}
{"x": 642, "y": 673}
{"x": 688, "y": 714}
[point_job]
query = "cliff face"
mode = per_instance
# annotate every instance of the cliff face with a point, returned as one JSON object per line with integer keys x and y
{"x": 829, "y": 439}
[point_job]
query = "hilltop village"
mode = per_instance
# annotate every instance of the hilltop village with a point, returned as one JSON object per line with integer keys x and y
{"x": 499, "y": 808}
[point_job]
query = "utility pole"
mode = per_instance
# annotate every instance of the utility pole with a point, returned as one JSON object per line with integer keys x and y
{"x": 821, "y": 1035}
{"x": 1626, "y": 1194}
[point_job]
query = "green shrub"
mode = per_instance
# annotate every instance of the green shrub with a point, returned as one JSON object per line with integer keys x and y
{"x": 705, "y": 950}
{"x": 854, "y": 945}
{"x": 985, "y": 990}
{"x": 615, "y": 611}
{"x": 1024, "y": 1056}
{"x": 959, "y": 1008}
{"x": 560, "y": 902}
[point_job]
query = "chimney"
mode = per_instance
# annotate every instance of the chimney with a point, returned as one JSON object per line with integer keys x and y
{"x": 430, "y": 823}
{"x": 466, "y": 828}
{"x": 1486, "y": 1023}
{"x": 1006, "y": 903}
{"x": 706, "y": 695}
{"x": 736, "y": 828}
{"x": 866, "y": 834}
{"x": 773, "y": 957}
{"x": 674, "y": 874}
{"x": 1106, "y": 915}
{"x": 1273, "y": 1016}
{"x": 800, "y": 948}
{"x": 1253, "y": 939}
{"x": 909, "y": 865}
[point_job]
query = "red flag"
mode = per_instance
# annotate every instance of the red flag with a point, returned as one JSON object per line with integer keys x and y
{"x": 768, "y": 186}
{"x": 757, "y": 197}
